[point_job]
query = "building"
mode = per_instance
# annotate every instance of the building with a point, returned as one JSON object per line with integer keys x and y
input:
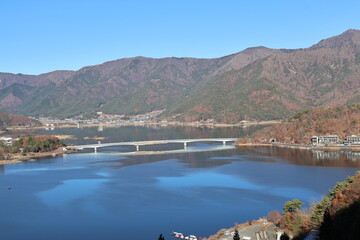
{"x": 314, "y": 140}
{"x": 7, "y": 140}
{"x": 329, "y": 139}
{"x": 353, "y": 139}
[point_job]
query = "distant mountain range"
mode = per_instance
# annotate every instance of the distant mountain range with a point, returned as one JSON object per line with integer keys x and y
{"x": 257, "y": 83}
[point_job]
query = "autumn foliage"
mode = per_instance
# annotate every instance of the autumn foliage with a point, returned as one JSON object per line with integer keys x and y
{"x": 274, "y": 216}
{"x": 36, "y": 144}
{"x": 337, "y": 215}
{"x": 11, "y": 120}
{"x": 342, "y": 217}
{"x": 341, "y": 121}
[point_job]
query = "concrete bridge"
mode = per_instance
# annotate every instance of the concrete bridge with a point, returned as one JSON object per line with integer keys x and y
{"x": 137, "y": 144}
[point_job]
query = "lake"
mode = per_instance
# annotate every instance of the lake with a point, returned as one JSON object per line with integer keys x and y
{"x": 107, "y": 195}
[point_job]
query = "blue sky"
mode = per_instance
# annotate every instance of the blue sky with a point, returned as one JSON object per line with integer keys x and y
{"x": 44, "y": 35}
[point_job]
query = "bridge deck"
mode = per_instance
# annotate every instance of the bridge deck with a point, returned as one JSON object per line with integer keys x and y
{"x": 153, "y": 142}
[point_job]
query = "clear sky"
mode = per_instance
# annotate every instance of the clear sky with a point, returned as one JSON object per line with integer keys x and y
{"x": 39, "y": 36}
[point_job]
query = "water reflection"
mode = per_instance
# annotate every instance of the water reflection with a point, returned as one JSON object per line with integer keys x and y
{"x": 69, "y": 190}
{"x": 336, "y": 155}
{"x": 352, "y": 155}
{"x": 211, "y": 179}
{"x": 309, "y": 157}
{"x": 179, "y": 151}
{"x": 207, "y": 179}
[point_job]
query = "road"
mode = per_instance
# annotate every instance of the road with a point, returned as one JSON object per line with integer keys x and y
{"x": 251, "y": 232}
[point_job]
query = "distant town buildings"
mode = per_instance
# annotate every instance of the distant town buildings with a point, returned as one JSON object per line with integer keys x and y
{"x": 102, "y": 118}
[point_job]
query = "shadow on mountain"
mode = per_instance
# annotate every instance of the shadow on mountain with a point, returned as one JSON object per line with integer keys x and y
{"x": 345, "y": 224}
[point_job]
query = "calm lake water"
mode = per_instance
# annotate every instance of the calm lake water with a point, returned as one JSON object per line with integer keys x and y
{"x": 106, "y": 195}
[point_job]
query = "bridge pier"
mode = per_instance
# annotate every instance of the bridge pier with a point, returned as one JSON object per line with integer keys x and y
{"x": 95, "y": 149}
{"x": 185, "y": 145}
{"x": 137, "y": 148}
{"x": 224, "y": 143}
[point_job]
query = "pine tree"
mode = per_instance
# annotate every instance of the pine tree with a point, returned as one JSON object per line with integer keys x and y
{"x": 161, "y": 237}
{"x": 236, "y": 235}
{"x": 292, "y": 206}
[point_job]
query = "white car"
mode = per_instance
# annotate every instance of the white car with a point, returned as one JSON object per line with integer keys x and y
{"x": 245, "y": 238}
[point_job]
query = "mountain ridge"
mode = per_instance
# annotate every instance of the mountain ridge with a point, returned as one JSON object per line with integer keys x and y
{"x": 256, "y": 83}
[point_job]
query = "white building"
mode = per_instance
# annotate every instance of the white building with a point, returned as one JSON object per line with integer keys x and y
{"x": 329, "y": 139}
{"x": 7, "y": 140}
{"x": 353, "y": 139}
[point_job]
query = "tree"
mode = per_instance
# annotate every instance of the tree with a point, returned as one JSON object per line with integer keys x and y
{"x": 236, "y": 235}
{"x": 292, "y": 206}
{"x": 274, "y": 216}
{"x": 318, "y": 210}
{"x": 161, "y": 237}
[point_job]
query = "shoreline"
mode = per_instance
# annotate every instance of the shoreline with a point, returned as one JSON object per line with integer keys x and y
{"x": 19, "y": 158}
{"x": 302, "y": 147}
{"x": 161, "y": 124}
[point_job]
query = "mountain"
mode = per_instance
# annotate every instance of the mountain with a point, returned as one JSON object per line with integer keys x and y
{"x": 324, "y": 75}
{"x": 131, "y": 85}
{"x": 257, "y": 83}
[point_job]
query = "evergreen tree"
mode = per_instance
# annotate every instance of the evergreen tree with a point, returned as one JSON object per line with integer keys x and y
{"x": 292, "y": 206}
{"x": 161, "y": 237}
{"x": 236, "y": 235}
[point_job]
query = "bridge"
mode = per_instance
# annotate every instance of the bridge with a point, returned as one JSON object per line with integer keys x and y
{"x": 137, "y": 144}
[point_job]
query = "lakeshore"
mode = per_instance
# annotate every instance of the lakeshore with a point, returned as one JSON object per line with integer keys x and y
{"x": 161, "y": 124}
{"x": 300, "y": 146}
{"x": 19, "y": 158}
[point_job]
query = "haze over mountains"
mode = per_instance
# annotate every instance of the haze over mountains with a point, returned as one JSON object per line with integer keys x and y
{"x": 257, "y": 83}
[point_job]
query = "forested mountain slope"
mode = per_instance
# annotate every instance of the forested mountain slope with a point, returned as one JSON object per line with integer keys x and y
{"x": 257, "y": 83}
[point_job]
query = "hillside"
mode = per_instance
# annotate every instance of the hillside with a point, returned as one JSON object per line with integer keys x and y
{"x": 342, "y": 217}
{"x": 324, "y": 75}
{"x": 124, "y": 86}
{"x": 341, "y": 121}
{"x": 13, "y": 120}
{"x": 336, "y": 216}
{"x": 257, "y": 83}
